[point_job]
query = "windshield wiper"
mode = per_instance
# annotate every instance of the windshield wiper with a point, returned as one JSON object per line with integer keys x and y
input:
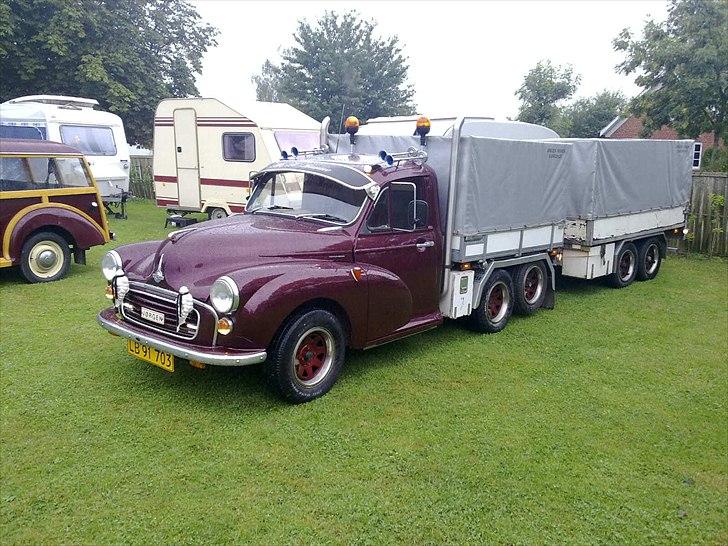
{"x": 272, "y": 207}
{"x": 323, "y": 216}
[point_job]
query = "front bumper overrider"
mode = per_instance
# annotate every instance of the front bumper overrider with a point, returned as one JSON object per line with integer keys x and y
{"x": 215, "y": 356}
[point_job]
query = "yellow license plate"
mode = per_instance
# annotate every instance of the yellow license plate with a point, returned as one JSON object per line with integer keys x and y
{"x": 151, "y": 355}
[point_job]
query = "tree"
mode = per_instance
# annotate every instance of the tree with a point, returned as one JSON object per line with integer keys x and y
{"x": 682, "y": 65}
{"x": 584, "y": 118}
{"x": 338, "y": 65}
{"x": 127, "y": 54}
{"x": 543, "y": 88}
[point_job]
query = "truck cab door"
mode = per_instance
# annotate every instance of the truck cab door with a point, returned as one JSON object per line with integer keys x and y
{"x": 399, "y": 235}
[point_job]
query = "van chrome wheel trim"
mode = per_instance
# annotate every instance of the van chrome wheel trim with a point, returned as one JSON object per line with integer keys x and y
{"x": 626, "y": 266}
{"x": 497, "y": 301}
{"x": 652, "y": 258}
{"x": 313, "y": 356}
{"x": 533, "y": 284}
{"x": 46, "y": 259}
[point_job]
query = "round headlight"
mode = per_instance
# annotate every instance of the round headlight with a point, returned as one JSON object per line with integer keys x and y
{"x": 111, "y": 265}
{"x": 224, "y": 295}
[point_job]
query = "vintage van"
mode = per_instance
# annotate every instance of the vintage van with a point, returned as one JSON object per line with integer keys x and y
{"x": 50, "y": 207}
{"x": 75, "y": 121}
{"x": 206, "y": 151}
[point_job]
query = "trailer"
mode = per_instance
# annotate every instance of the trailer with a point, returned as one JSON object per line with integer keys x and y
{"x": 205, "y": 151}
{"x": 75, "y": 121}
{"x": 623, "y": 196}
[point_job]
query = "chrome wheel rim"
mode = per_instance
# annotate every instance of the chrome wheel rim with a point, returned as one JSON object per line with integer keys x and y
{"x": 652, "y": 258}
{"x": 497, "y": 301}
{"x": 45, "y": 259}
{"x": 313, "y": 357}
{"x": 626, "y": 265}
{"x": 533, "y": 284}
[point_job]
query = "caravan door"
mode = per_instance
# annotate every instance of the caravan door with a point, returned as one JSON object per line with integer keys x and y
{"x": 188, "y": 163}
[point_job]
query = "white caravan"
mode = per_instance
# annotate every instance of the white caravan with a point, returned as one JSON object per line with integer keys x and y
{"x": 74, "y": 121}
{"x": 206, "y": 151}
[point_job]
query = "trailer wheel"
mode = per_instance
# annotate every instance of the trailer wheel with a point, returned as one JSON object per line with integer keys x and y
{"x": 496, "y": 305}
{"x": 626, "y": 267}
{"x": 306, "y": 357}
{"x": 217, "y": 214}
{"x": 529, "y": 287}
{"x": 45, "y": 257}
{"x": 649, "y": 260}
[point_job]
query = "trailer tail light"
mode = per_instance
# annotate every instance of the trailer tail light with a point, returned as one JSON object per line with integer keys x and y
{"x": 466, "y": 266}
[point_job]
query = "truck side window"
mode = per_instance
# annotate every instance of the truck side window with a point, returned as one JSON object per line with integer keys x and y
{"x": 401, "y": 204}
{"x": 379, "y": 218}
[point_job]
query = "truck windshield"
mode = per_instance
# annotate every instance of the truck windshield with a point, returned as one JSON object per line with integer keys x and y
{"x": 302, "y": 195}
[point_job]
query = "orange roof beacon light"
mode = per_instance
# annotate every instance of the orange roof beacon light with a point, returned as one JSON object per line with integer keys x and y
{"x": 423, "y": 127}
{"x": 352, "y": 126}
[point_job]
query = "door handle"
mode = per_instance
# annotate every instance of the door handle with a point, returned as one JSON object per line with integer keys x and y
{"x": 424, "y": 245}
{"x": 179, "y": 149}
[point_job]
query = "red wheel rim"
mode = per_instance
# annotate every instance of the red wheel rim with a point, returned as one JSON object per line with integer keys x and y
{"x": 495, "y": 301}
{"x": 310, "y": 356}
{"x": 531, "y": 284}
{"x": 625, "y": 265}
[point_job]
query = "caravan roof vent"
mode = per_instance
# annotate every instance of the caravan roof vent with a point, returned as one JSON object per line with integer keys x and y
{"x": 59, "y": 100}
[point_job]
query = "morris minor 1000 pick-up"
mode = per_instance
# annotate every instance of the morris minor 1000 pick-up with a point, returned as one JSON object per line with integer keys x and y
{"x": 353, "y": 250}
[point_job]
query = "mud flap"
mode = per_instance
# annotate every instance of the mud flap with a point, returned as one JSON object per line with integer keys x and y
{"x": 549, "y": 301}
{"x": 79, "y": 256}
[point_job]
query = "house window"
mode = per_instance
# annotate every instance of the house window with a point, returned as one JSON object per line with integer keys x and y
{"x": 238, "y": 147}
{"x": 697, "y": 153}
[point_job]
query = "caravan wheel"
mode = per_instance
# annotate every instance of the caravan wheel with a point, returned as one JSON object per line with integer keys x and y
{"x": 217, "y": 214}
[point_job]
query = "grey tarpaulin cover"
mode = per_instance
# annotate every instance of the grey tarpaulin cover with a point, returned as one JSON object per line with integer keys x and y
{"x": 614, "y": 177}
{"x": 501, "y": 184}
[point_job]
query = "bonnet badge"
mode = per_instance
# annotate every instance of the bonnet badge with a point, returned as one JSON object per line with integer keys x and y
{"x": 158, "y": 275}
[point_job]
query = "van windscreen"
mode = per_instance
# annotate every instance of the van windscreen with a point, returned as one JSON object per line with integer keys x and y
{"x": 89, "y": 140}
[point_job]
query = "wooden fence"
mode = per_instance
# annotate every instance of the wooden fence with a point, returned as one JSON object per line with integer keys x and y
{"x": 708, "y": 222}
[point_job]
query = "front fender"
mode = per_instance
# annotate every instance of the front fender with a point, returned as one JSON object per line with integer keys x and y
{"x": 85, "y": 233}
{"x": 270, "y": 293}
{"x": 376, "y": 305}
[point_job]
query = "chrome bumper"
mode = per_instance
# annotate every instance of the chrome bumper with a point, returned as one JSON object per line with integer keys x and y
{"x": 115, "y": 326}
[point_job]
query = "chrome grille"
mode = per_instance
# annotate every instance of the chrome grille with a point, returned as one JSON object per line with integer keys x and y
{"x": 160, "y": 301}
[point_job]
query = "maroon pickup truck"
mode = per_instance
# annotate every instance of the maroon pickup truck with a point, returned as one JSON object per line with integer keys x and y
{"x": 353, "y": 250}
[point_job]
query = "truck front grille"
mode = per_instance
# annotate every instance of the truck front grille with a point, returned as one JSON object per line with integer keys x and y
{"x": 164, "y": 302}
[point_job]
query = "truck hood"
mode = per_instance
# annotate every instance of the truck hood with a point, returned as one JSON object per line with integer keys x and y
{"x": 197, "y": 256}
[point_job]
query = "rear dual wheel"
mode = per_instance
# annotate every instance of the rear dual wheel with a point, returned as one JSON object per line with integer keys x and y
{"x": 529, "y": 283}
{"x": 649, "y": 259}
{"x": 626, "y": 267}
{"x": 496, "y": 304}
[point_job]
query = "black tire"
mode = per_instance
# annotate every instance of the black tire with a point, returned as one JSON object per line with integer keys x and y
{"x": 494, "y": 317}
{"x": 625, "y": 267}
{"x": 649, "y": 259}
{"x": 529, "y": 287}
{"x": 217, "y": 214}
{"x": 45, "y": 257}
{"x": 294, "y": 356}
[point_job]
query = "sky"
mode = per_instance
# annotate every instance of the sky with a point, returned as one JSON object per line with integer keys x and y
{"x": 465, "y": 58}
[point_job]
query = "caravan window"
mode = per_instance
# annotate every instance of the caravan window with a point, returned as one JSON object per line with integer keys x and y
{"x": 23, "y": 131}
{"x": 90, "y": 140}
{"x": 238, "y": 147}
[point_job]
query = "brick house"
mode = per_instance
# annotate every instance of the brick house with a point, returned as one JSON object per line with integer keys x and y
{"x": 631, "y": 127}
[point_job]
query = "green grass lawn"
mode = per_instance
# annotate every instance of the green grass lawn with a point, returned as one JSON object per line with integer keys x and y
{"x": 603, "y": 421}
